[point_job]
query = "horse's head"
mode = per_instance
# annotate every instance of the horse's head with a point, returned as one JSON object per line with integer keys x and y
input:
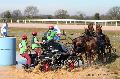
{"x": 87, "y": 31}
{"x": 90, "y": 27}
{"x": 77, "y": 41}
{"x": 98, "y": 28}
{"x": 79, "y": 44}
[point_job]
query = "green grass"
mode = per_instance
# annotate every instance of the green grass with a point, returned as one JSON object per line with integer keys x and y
{"x": 113, "y": 35}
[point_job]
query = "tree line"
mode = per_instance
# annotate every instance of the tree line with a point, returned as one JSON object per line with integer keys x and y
{"x": 32, "y": 12}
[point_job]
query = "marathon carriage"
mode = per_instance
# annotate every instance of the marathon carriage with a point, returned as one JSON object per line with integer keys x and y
{"x": 55, "y": 55}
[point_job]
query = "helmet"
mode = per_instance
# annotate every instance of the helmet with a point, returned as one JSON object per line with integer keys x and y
{"x": 34, "y": 33}
{"x": 24, "y": 37}
{"x": 51, "y": 27}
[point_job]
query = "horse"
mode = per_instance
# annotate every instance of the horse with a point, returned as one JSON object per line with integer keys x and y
{"x": 104, "y": 45}
{"x": 85, "y": 46}
{"x": 79, "y": 47}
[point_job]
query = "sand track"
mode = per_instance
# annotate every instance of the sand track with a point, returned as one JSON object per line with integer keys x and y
{"x": 88, "y": 73}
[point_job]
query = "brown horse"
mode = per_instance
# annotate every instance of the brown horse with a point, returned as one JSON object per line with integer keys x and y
{"x": 79, "y": 47}
{"x": 85, "y": 46}
{"x": 103, "y": 42}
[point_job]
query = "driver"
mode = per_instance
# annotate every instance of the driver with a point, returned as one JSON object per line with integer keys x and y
{"x": 51, "y": 33}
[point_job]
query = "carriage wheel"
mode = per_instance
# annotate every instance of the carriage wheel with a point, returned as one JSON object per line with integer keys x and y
{"x": 71, "y": 65}
{"x": 46, "y": 67}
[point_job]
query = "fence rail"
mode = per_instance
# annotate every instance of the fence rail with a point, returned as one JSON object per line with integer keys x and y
{"x": 68, "y": 21}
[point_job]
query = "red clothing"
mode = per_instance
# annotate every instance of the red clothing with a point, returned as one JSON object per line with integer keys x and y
{"x": 26, "y": 55}
{"x": 38, "y": 51}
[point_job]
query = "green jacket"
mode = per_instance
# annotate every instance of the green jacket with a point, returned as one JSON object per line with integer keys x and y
{"x": 23, "y": 47}
{"x": 51, "y": 34}
{"x": 34, "y": 40}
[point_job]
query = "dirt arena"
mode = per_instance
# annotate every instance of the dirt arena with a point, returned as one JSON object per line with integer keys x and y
{"x": 97, "y": 72}
{"x": 87, "y": 73}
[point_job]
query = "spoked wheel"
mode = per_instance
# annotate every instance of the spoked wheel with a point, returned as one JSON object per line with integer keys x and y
{"x": 71, "y": 63}
{"x": 45, "y": 66}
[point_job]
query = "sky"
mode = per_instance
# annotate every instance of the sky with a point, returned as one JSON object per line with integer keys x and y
{"x": 88, "y": 7}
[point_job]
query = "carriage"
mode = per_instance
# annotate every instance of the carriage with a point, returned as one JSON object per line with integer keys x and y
{"x": 54, "y": 56}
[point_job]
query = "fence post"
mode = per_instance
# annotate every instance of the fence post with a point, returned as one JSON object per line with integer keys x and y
{"x": 25, "y": 21}
{"x": 66, "y": 22}
{"x": 17, "y": 21}
{"x": 57, "y": 22}
{"x": 11, "y": 20}
{"x": 116, "y": 24}
{"x": 85, "y": 22}
{"x": 105, "y": 24}
{"x": 29, "y": 21}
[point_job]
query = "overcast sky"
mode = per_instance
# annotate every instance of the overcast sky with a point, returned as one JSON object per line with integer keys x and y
{"x": 89, "y": 7}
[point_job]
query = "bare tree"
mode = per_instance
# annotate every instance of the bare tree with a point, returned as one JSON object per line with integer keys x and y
{"x": 114, "y": 13}
{"x": 6, "y": 14}
{"x": 31, "y": 11}
{"x": 61, "y": 14}
{"x": 80, "y": 15}
{"x": 16, "y": 14}
{"x": 97, "y": 16}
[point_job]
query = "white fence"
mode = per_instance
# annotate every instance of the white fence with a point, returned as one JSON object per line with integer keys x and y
{"x": 70, "y": 21}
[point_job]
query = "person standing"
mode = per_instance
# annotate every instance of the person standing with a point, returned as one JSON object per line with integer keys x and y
{"x": 4, "y": 29}
{"x": 58, "y": 33}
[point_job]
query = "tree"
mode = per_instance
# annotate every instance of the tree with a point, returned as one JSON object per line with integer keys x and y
{"x": 114, "y": 13}
{"x": 97, "y": 16}
{"x": 16, "y": 14}
{"x": 80, "y": 15}
{"x": 6, "y": 14}
{"x": 31, "y": 11}
{"x": 61, "y": 14}
{"x": 104, "y": 17}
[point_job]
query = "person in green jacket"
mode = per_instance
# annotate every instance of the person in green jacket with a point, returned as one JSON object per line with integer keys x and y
{"x": 51, "y": 33}
{"x": 36, "y": 44}
{"x": 23, "y": 50}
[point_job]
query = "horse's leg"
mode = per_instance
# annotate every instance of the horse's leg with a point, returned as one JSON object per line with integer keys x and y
{"x": 94, "y": 53}
{"x": 109, "y": 53}
{"x": 104, "y": 55}
{"x": 88, "y": 58}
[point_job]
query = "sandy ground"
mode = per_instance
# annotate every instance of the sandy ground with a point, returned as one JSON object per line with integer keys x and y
{"x": 88, "y": 73}
{"x": 32, "y": 25}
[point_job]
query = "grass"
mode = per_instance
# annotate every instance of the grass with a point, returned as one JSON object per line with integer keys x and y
{"x": 113, "y": 35}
